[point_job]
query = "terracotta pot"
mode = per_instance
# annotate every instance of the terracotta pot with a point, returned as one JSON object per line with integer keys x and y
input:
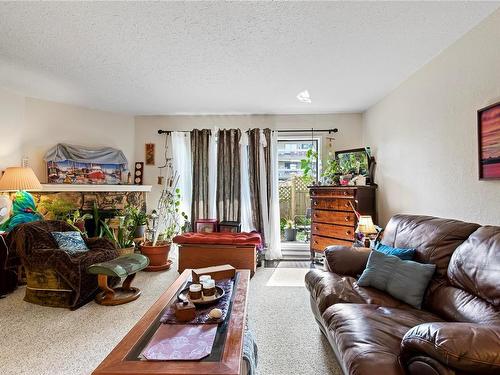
{"x": 158, "y": 256}
{"x": 127, "y": 250}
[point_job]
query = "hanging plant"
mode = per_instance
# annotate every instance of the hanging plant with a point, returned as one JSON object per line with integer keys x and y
{"x": 307, "y": 166}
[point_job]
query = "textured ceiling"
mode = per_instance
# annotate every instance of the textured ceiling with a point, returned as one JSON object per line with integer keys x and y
{"x": 165, "y": 58}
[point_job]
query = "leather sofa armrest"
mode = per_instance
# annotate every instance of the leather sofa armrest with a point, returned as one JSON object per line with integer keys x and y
{"x": 344, "y": 260}
{"x": 460, "y": 346}
{"x": 100, "y": 243}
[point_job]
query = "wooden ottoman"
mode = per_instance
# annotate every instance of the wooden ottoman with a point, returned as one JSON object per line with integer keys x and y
{"x": 124, "y": 266}
{"x": 200, "y": 250}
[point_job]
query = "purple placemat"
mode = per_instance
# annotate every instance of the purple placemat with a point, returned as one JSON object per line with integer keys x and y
{"x": 203, "y": 310}
{"x": 181, "y": 343}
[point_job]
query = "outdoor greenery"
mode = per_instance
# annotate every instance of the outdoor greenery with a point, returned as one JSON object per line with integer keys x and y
{"x": 307, "y": 166}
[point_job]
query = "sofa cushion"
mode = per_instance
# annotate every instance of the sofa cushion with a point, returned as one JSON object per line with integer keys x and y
{"x": 328, "y": 288}
{"x": 402, "y": 279}
{"x": 367, "y": 337}
{"x": 475, "y": 265}
{"x": 403, "y": 254}
{"x": 434, "y": 239}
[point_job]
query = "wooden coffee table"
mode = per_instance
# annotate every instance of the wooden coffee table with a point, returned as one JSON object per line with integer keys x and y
{"x": 227, "y": 352}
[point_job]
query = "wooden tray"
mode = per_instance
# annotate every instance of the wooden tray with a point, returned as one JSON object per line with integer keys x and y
{"x": 184, "y": 296}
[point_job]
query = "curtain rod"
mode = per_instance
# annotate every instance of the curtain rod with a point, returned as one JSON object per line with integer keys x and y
{"x": 329, "y": 131}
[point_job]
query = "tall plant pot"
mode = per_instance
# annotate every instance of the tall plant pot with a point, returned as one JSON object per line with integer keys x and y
{"x": 139, "y": 231}
{"x": 290, "y": 234}
{"x": 157, "y": 255}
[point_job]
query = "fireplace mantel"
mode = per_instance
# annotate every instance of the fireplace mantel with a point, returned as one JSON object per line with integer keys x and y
{"x": 94, "y": 188}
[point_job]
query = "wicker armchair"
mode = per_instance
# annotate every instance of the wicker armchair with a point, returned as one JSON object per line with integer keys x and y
{"x": 55, "y": 278}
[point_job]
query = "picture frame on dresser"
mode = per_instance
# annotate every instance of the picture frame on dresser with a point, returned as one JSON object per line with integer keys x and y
{"x": 488, "y": 134}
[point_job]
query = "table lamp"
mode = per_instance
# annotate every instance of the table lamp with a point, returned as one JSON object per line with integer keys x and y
{"x": 20, "y": 180}
{"x": 366, "y": 226}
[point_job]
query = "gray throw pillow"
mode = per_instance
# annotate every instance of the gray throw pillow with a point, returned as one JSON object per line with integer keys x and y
{"x": 403, "y": 279}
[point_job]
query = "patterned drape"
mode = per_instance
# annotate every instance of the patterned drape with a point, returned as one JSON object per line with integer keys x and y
{"x": 199, "y": 152}
{"x": 228, "y": 175}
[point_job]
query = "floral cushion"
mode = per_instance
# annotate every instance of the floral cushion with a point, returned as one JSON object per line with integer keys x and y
{"x": 71, "y": 242}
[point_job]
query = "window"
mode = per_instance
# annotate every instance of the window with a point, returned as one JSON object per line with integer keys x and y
{"x": 290, "y": 152}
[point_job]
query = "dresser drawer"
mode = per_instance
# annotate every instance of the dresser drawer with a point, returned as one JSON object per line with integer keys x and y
{"x": 325, "y": 203}
{"x": 334, "y": 192}
{"x": 331, "y": 230}
{"x": 333, "y": 217}
{"x": 344, "y": 204}
{"x": 319, "y": 243}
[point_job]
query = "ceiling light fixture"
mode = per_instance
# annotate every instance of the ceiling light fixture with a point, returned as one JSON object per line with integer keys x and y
{"x": 304, "y": 97}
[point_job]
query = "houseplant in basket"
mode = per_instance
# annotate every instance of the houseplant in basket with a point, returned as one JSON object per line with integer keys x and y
{"x": 164, "y": 224}
{"x": 122, "y": 236}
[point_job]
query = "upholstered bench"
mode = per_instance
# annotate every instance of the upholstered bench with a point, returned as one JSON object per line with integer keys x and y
{"x": 124, "y": 266}
{"x": 200, "y": 250}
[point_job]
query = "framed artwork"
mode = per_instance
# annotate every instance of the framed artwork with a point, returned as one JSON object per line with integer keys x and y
{"x": 229, "y": 226}
{"x": 150, "y": 154}
{"x": 488, "y": 131}
{"x": 205, "y": 225}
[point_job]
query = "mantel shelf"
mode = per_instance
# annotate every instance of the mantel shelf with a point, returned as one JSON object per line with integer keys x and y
{"x": 94, "y": 188}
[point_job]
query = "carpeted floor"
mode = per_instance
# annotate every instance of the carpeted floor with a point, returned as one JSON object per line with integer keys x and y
{"x": 41, "y": 340}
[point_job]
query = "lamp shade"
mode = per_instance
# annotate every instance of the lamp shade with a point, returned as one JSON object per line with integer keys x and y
{"x": 19, "y": 178}
{"x": 365, "y": 225}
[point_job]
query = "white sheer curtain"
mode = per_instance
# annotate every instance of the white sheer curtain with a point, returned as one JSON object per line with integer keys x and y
{"x": 181, "y": 160}
{"x": 274, "y": 239}
{"x": 245, "y": 202}
{"x": 212, "y": 175}
{"x": 263, "y": 190}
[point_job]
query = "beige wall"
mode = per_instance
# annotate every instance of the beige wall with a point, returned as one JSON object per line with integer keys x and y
{"x": 29, "y": 127}
{"x": 424, "y": 134}
{"x": 146, "y": 131}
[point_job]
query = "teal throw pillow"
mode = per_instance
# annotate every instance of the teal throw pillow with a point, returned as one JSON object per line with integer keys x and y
{"x": 404, "y": 254}
{"x": 403, "y": 279}
{"x": 71, "y": 242}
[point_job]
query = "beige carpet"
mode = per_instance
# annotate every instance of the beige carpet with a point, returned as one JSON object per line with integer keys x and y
{"x": 41, "y": 340}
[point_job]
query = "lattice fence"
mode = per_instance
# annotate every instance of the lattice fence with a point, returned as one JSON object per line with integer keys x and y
{"x": 294, "y": 198}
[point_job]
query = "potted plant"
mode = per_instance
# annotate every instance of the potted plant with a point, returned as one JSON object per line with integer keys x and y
{"x": 139, "y": 219}
{"x": 122, "y": 236}
{"x": 290, "y": 230}
{"x": 164, "y": 224}
{"x": 77, "y": 220}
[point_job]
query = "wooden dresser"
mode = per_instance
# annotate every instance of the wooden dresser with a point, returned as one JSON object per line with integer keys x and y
{"x": 333, "y": 221}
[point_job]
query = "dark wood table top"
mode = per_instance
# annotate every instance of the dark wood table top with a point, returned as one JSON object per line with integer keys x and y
{"x": 123, "y": 359}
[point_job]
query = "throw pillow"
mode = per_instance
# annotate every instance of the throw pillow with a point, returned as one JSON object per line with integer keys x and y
{"x": 404, "y": 254}
{"x": 403, "y": 279}
{"x": 71, "y": 242}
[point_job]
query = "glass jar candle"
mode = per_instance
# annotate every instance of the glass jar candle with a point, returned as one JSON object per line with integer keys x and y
{"x": 195, "y": 293}
{"x": 209, "y": 290}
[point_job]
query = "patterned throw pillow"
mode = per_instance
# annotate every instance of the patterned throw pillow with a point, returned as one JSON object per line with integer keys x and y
{"x": 71, "y": 242}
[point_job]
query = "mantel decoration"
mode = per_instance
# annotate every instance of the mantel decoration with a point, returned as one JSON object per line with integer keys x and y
{"x": 69, "y": 164}
{"x": 488, "y": 129}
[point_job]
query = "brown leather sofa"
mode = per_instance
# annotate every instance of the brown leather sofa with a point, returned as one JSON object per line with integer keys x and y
{"x": 456, "y": 332}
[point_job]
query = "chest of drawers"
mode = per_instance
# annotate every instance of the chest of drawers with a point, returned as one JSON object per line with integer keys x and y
{"x": 333, "y": 221}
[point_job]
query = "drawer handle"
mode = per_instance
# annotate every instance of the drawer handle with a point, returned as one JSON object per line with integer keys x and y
{"x": 348, "y": 232}
{"x": 316, "y": 228}
{"x": 315, "y": 203}
{"x": 316, "y": 242}
{"x": 347, "y": 218}
{"x": 345, "y": 192}
{"x": 347, "y": 205}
